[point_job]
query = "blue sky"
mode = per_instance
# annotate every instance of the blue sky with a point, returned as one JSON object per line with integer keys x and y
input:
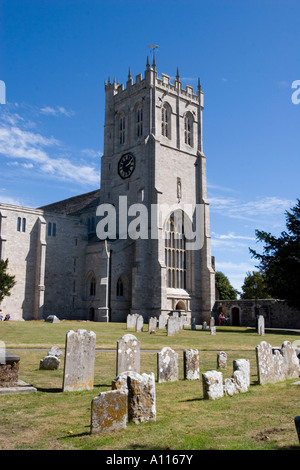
{"x": 54, "y": 59}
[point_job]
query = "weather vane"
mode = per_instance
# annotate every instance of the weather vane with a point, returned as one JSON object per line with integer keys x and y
{"x": 153, "y": 47}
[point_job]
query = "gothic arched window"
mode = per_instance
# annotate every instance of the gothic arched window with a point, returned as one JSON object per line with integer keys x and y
{"x": 122, "y": 128}
{"x": 92, "y": 286}
{"x": 139, "y": 121}
{"x": 120, "y": 288}
{"x": 175, "y": 251}
{"x": 188, "y": 129}
{"x": 166, "y": 121}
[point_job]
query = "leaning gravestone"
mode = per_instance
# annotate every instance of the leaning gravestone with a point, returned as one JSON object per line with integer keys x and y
{"x": 79, "y": 361}
{"x": 128, "y": 354}
{"x": 140, "y": 392}
{"x": 167, "y": 365}
{"x": 109, "y": 412}
{"x": 191, "y": 364}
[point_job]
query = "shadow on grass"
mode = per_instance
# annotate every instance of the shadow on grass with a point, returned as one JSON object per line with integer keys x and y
{"x": 253, "y": 330}
{"x": 49, "y": 390}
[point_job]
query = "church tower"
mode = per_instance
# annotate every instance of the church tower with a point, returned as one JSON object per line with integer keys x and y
{"x": 153, "y": 187}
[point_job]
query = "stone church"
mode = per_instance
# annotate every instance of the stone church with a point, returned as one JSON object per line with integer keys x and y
{"x": 138, "y": 244}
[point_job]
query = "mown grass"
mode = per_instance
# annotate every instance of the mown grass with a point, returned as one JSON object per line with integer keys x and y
{"x": 262, "y": 418}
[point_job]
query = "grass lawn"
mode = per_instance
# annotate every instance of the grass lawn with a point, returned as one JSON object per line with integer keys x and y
{"x": 262, "y": 418}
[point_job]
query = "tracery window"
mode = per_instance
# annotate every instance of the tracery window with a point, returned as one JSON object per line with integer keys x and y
{"x": 188, "y": 129}
{"x": 175, "y": 251}
{"x": 139, "y": 121}
{"x": 122, "y": 128}
{"x": 166, "y": 121}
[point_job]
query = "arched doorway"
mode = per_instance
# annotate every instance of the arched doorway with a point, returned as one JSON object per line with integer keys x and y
{"x": 180, "y": 305}
{"x": 235, "y": 316}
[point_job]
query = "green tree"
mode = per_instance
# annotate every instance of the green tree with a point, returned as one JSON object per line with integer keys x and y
{"x": 7, "y": 281}
{"x": 255, "y": 286}
{"x": 280, "y": 260}
{"x": 225, "y": 289}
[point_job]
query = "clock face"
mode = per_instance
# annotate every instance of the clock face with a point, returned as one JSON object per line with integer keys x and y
{"x": 126, "y": 165}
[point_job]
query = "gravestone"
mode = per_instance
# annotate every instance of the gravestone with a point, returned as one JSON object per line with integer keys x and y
{"x": 243, "y": 365}
{"x": 49, "y": 363}
{"x": 152, "y": 325}
{"x": 261, "y": 325}
{"x": 204, "y": 326}
{"x": 131, "y": 321}
{"x": 212, "y": 382}
{"x": 212, "y": 322}
{"x": 9, "y": 369}
{"x": 167, "y": 365}
{"x": 141, "y": 395}
{"x": 139, "y": 323}
{"x": 128, "y": 354}
{"x": 172, "y": 326}
{"x": 212, "y": 330}
{"x": 274, "y": 364}
{"x": 191, "y": 364}
{"x": 193, "y": 323}
{"x": 162, "y": 321}
{"x": 221, "y": 360}
{"x": 54, "y": 351}
{"x": 79, "y": 361}
{"x": 52, "y": 319}
{"x": 109, "y": 412}
{"x": 230, "y": 387}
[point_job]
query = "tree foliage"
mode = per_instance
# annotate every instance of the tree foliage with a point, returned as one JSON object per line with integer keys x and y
{"x": 255, "y": 286}
{"x": 7, "y": 281}
{"x": 225, "y": 289}
{"x": 280, "y": 260}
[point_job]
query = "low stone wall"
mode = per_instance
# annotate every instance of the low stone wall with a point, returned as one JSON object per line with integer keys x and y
{"x": 277, "y": 313}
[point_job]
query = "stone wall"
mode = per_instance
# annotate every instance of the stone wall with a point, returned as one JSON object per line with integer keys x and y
{"x": 277, "y": 313}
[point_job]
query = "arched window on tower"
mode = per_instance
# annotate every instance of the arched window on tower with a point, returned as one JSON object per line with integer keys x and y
{"x": 92, "y": 286}
{"x": 175, "y": 251}
{"x": 122, "y": 128}
{"x": 188, "y": 129}
{"x": 120, "y": 288}
{"x": 166, "y": 121}
{"x": 139, "y": 121}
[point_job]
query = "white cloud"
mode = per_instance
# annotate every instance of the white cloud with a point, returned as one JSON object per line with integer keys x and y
{"x": 58, "y": 110}
{"x": 18, "y": 143}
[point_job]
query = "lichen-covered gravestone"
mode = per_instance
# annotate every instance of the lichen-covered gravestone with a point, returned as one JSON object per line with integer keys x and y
{"x": 141, "y": 395}
{"x": 191, "y": 364}
{"x": 79, "y": 361}
{"x": 109, "y": 412}
{"x": 49, "y": 363}
{"x": 221, "y": 360}
{"x": 128, "y": 354}
{"x": 167, "y": 365}
{"x": 212, "y": 382}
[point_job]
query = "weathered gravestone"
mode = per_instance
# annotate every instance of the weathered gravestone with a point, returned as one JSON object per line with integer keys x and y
{"x": 141, "y": 395}
{"x": 167, "y": 365}
{"x": 212, "y": 330}
{"x": 191, "y": 364}
{"x": 261, "y": 325}
{"x": 152, "y": 325}
{"x": 131, "y": 321}
{"x": 172, "y": 326}
{"x": 139, "y": 323}
{"x": 109, "y": 412}
{"x": 221, "y": 360}
{"x": 274, "y": 364}
{"x": 128, "y": 354}
{"x": 49, "y": 363}
{"x": 9, "y": 369}
{"x": 54, "y": 351}
{"x": 241, "y": 374}
{"x": 162, "y": 321}
{"x": 79, "y": 361}
{"x": 212, "y": 382}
